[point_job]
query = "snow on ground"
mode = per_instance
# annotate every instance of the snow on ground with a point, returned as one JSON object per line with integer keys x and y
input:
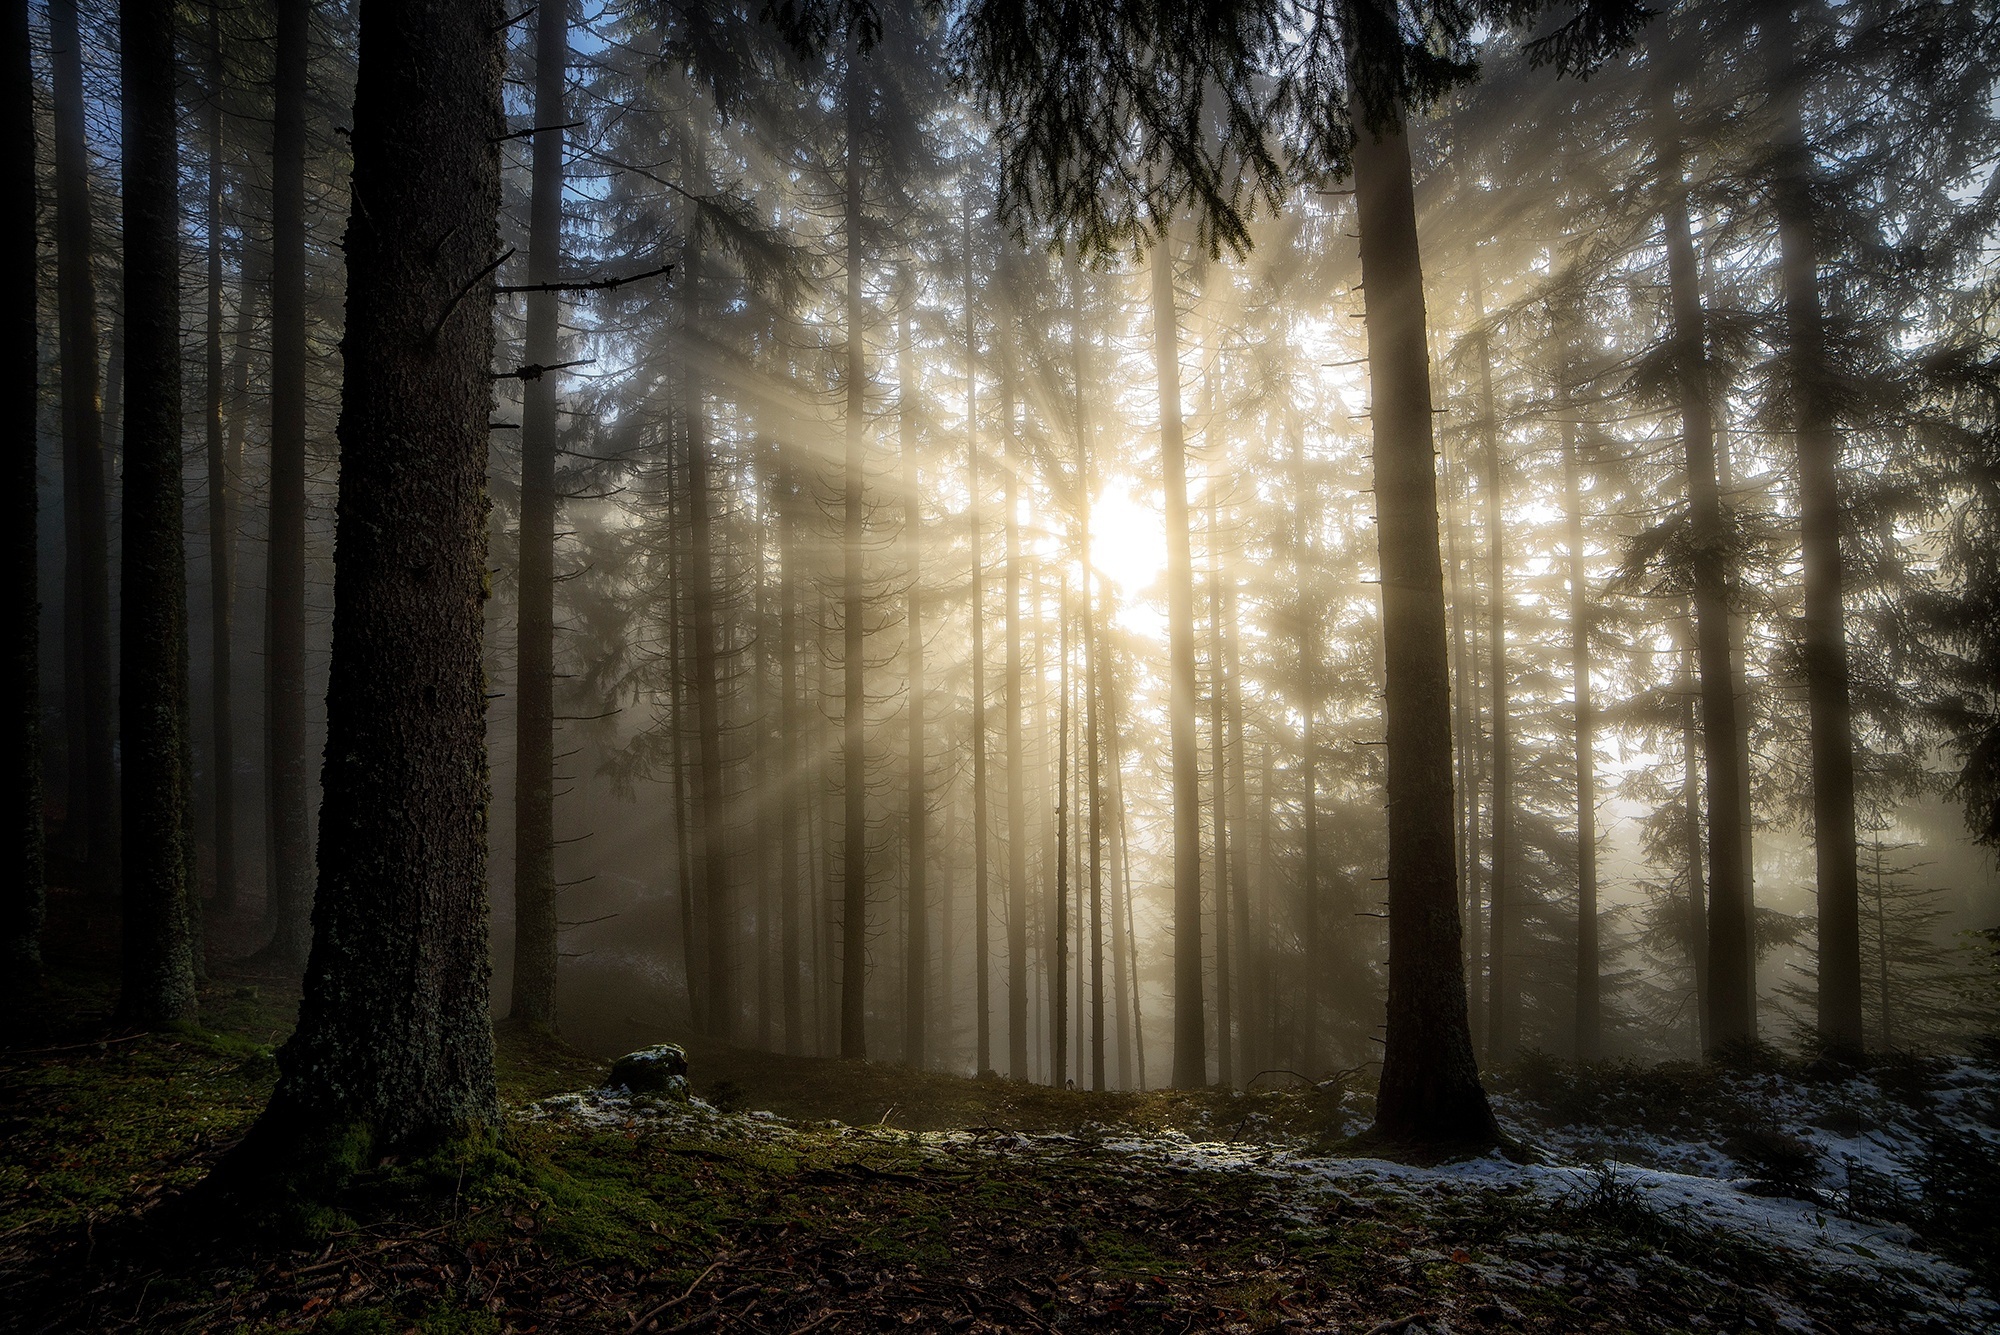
{"x": 1683, "y": 1175}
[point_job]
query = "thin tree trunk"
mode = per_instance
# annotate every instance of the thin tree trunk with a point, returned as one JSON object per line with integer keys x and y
{"x": 791, "y": 755}
{"x": 1697, "y": 922}
{"x": 288, "y": 907}
{"x": 718, "y": 897}
{"x": 394, "y": 1047}
{"x": 1243, "y": 967}
{"x": 1817, "y": 440}
{"x": 1471, "y": 750}
{"x": 1502, "y": 1012}
{"x": 1218, "y": 746}
{"x": 221, "y": 521}
{"x": 1059, "y": 1008}
{"x": 854, "y": 717}
{"x": 1730, "y": 1005}
{"x": 159, "y": 945}
{"x": 1093, "y": 743}
{"x": 1430, "y": 1087}
{"x": 533, "y": 1000}
{"x": 683, "y": 797}
{"x": 1017, "y": 767}
{"x": 1190, "y": 1013}
{"x": 90, "y": 707}
{"x": 1589, "y": 959}
{"x": 982, "y": 966}
{"x": 24, "y": 902}
{"x": 1306, "y": 516}
{"x": 916, "y": 940}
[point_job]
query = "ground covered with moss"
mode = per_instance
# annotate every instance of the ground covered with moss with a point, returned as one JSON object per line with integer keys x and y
{"x": 798, "y": 1194}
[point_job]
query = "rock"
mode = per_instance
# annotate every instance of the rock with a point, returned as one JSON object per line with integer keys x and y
{"x": 660, "y": 1069}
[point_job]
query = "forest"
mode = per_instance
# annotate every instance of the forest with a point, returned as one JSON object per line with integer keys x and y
{"x": 783, "y": 665}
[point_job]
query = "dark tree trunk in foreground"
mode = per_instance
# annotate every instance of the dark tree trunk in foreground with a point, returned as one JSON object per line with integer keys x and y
{"x": 90, "y": 822}
{"x": 1820, "y": 520}
{"x": 916, "y": 926}
{"x": 23, "y": 900}
{"x": 158, "y": 984}
{"x": 1190, "y": 1014}
{"x": 1729, "y": 998}
{"x": 533, "y": 1000}
{"x": 221, "y": 517}
{"x": 393, "y": 1048}
{"x": 1430, "y": 1087}
{"x": 853, "y": 611}
{"x": 288, "y": 910}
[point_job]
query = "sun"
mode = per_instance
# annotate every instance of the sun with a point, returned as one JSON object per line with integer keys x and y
{"x": 1128, "y": 538}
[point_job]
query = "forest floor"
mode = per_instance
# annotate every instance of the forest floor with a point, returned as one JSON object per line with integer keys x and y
{"x": 795, "y": 1194}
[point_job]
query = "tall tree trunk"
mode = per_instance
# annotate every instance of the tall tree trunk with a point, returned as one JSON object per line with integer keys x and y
{"x": 1306, "y": 518}
{"x": 1218, "y": 747}
{"x": 1242, "y": 965}
{"x": 1430, "y": 1087}
{"x": 22, "y": 906}
{"x": 1502, "y": 1011}
{"x": 90, "y": 707}
{"x": 1589, "y": 959}
{"x": 677, "y": 711}
{"x": 288, "y": 907}
{"x": 718, "y": 897}
{"x": 1471, "y": 748}
{"x": 854, "y": 612}
{"x": 1190, "y": 1013}
{"x": 1059, "y": 976}
{"x": 221, "y": 521}
{"x": 982, "y": 967}
{"x": 1086, "y": 482}
{"x": 533, "y": 1000}
{"x": 1817, "y": 440}
{"x": 158, "y": 985}
{"x": 1017, "y": 763}
{"x": 1730, "y": 1003}
{"x": 791, "y": 754}
{"x": 394, "y": 1048}
{"x": 1697, "y": 887}
{"x": 917, "y": 927}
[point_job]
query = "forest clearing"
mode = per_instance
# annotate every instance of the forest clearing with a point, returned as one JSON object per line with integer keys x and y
{"x": 821, "y": 665}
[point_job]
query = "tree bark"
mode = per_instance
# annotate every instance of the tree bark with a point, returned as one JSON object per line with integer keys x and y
{"x": 1017, "y": 766}
{"x": 792, "y": 756}
{"x": 718, "y": 896}
{"x": 288, "y": 908}
{"x": 1730, "y": 1003}
{"x": 1502, "y": 1012}
{"x": 1589, "y": 959}
{"x": 533, "y": 994}
{"x": 159, "y": 973}
{"x": 1817, "y": 440}
{"x": 90, "y": 708}
{"x": 394, "y": 1049}
{"x": 24, "y": 901}
{"x": 854, "y": 612}
{"x": 221, "y": 518}
{"x": 1430, "y": 1087}
{"x": 916, "y": 926}
{"x": 1218, "y": 748}
{"x": 982, "y": 965}
{"x": 1190, "y": 1012}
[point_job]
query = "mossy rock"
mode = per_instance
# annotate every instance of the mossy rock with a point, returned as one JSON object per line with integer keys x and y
{"x": 659, "y": 1070}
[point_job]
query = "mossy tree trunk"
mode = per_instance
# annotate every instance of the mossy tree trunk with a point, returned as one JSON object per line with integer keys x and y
{"x": 159, "y": 945}
{"x": 393, "y": 1048}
